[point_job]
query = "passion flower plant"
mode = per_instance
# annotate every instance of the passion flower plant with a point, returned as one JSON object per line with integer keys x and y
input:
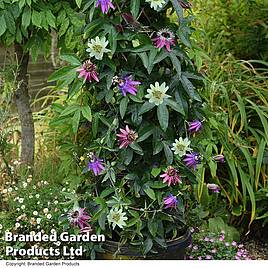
{"x": 128, "y": 139}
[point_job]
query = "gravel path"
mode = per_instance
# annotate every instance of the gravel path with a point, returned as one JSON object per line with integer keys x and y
{"x": 258, "y": 250}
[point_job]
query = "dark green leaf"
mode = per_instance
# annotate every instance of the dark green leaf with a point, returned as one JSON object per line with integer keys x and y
{"x": 148, "y": 244}
{"x": 36, "y": 18}
{"x": 3, "y": 25}
{"x": 149, "y": 192}
{"x": 175, "y": 61}
{"x": 26, "y": 17}
{"x": 86, "y": 111}
{"x": 163, "y": 116}
{"x": 168, "y": 154}
{"x": 61, "y": 73}
{"x": 75, "y": 121}
{"x": 123, "y": 106}
{"x": 175, "y": 106}
{"x": 134, "y": 8}
{"x": 73, "y": 60}
{"x": 147, "y": 106}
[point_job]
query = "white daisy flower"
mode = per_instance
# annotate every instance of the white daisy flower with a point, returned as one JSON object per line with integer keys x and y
{"x": 35, "y": 213}
{"x": 49, "y": 216}
{"x": 22, "y": 207}
{"x": 157, "y": 93}
{"x": 17, "y": 225}
{"x": 4, "y": 191}
{"x": 21, "y": 200}
{"x": 37, "y": 195}
{"x": 1, "y": 226}
{"x": 97, "y": 47}
{"x": 117, "y": 217}
{"x": 45, "y": 210}
{"x": 181, "y": 146}
{"x": 156, "y": 4}
{"x": 38, "y": 220}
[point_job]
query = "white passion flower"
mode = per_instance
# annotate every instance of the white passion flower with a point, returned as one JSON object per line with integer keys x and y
{"x": 155, "y": 4}
{"x": 157, "y": 93}
{"x": 117, "y": 217}
{"x": 181, "y": 146}
{"x": 97, "y": 47}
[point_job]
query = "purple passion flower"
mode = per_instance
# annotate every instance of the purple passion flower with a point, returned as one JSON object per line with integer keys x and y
{"x": 191, "y": 160}
{"x": 164, "y": 38}
{"x": 127, "y": 85}
{"x": 170, "y": 201}
{"x": 213, "y": 187}
{"x": 96, "y": 165}
{"x": 88, "y": 71}
{"x": 105, "y": 5}
{"x": 195, "y": 126}
{"x": 219, "y": 158}
{"x": 79, "y": 217}
{"x": 171, "y": 176}
{"x": 126, "y": 137}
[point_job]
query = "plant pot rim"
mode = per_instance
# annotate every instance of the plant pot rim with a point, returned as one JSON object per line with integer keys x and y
{"x": 111, "y": 247}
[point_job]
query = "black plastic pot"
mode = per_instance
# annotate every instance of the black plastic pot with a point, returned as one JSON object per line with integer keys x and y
{"x": 175, "y": 250}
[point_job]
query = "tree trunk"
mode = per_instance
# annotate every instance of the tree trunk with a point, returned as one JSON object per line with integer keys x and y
{"x": 22, "y": 100}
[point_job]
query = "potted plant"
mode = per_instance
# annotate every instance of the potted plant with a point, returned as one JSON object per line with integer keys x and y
{"x": 134, "y": 111}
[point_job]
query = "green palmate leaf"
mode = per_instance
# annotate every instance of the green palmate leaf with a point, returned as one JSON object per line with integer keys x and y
{"x": 26, "y": 17}
{"x": 102, "y": 219}
{"x": 145, "y": 59}
{"x": 75, "y": 87}
{"x": 86, "y": 111}
{"x": 106, "y": 192}
{"x": 136, "y": 147}
{"x": 10, "y": 22}
{"x": 36, "y": 18}
{"x": 175, "y": 61}
{"x": 123, "y": 106}
{"x": 161, "y": 56}
{"x": 51, "y": 20}
{"x": 168, "y": 153}
{"x": 152, "y": 226}
{"x": 72, "y": 59}
{"x": 158, "y": 184}
{"x": 145, "y": 133}
{"x": 147, "y": 106}
{"x": 3, "y": 25}
{"x": 213, "y": 168}
{"x": 147, "y": 246}
{"x": 61, "y": 73}
{"x": 95, "y": 125}
{"x": 158, "y": 147}
{"x": 127, "y": 156}
{"x": 75, "y": 121}
{"x": 113, "y": 40}
{"x": 177, "y": 8}
{"x": 151, "y": 59}
{"x": 150, "y": 192}
{"x": 175, "y": 106}
{"x": 189, "y": 88}
{"x": 156, "y": 171}
{"x": 163, "y": 116}
{"x": 135, "y": 7}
